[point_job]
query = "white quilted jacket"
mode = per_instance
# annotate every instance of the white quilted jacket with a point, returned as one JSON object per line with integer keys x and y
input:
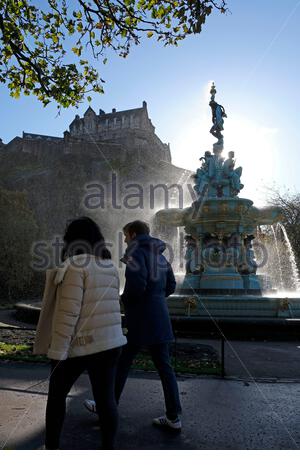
{"x": 86, "y": 317}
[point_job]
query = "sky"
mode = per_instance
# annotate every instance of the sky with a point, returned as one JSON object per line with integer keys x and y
{"x": 252, "y": 55}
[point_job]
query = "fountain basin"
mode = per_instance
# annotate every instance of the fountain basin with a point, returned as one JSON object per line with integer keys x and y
{"x": 238, "y": 306}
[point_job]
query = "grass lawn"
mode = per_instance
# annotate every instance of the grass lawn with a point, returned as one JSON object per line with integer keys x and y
{"x": 19, "y": 352}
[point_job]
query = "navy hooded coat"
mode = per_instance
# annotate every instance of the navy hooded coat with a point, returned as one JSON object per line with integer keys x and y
{"x": 149, "y": 280}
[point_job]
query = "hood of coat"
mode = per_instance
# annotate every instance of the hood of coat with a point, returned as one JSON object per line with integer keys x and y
{"x": 77, "y": 261}
{"x": 152, "y": 244}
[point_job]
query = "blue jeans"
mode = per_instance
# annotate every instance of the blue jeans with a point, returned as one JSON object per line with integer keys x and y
{"x": 161, "y": 359}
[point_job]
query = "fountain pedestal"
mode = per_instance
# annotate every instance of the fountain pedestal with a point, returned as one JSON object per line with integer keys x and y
{"x": 214, "y": 282}
{"x": 225, "y": 279}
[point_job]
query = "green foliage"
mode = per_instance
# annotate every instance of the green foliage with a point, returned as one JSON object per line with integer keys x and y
{"x": 37, "y": 55}
{"x": 6, "y": 348}
{"x": 182, "y": 366}
{"x": 18, "y": 231}
{"x": 19, "y": 352}
{"x": 23, "y": 352}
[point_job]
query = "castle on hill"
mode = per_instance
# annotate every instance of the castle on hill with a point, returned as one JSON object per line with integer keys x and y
{"x": 59, "y": 174}
{"x": 131, "y": 129}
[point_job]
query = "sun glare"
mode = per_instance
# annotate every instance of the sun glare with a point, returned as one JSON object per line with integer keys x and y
{"x": 254, "y": 146}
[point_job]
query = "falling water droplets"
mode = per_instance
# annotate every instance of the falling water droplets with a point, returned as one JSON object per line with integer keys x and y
{"x": 292, "y": 259}
{"x": 281, "y": 267}
{"x": 281, "y": 286}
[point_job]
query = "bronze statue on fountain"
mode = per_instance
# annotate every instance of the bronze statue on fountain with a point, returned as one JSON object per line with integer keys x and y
{"x": 218, "y": 115}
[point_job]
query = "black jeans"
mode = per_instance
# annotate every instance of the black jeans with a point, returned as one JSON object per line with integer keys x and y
{"x": 161, "y": 359}
{"x": 101, "y": 368}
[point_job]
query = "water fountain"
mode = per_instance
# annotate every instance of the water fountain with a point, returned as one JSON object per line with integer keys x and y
{"x": 221, "y": 279}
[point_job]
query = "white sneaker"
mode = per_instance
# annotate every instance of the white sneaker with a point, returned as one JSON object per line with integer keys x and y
{"x": 90, "y": 405}
{"x": 165, "y": 422}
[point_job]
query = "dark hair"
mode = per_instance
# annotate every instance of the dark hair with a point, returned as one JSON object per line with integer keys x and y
{"x": 83, "y": 235}
{"x": 138, "y": 227}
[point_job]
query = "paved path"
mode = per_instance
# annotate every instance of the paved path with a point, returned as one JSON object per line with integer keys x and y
{"x": 218, "y": 414}
{"x": 8, "y": 319}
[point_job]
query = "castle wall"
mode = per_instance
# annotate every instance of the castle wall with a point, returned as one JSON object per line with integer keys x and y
{"x": 145, "y": 146}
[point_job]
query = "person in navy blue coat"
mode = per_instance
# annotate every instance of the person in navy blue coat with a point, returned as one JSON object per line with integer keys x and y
{"x": 149, "y": 280}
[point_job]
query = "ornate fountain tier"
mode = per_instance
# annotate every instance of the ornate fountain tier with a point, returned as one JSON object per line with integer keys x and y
{"x": 219, "y": 255}
{"x": 220, "y": 216}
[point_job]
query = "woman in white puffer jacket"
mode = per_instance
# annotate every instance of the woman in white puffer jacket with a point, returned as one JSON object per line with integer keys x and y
{"x": 86, "y": 331}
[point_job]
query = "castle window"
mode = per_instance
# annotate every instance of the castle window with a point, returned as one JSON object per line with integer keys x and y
{"x": 101, "y": 126}
{"x": 118, "y": 123}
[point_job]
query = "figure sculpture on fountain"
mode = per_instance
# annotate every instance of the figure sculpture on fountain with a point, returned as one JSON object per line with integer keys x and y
{"x": 218, "y": 178}
{"x": 233, "y": 174}
{"x": 218, "y": 115}
{"x": 192, "y": 264}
